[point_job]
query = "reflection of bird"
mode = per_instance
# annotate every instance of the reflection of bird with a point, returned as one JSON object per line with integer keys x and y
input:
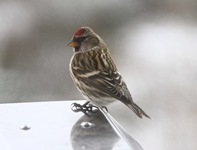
{"x": 93, "y": 133}
{"x": 95, "y": 74}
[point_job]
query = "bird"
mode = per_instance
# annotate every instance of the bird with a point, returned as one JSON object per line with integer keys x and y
{"x": 95, "y": 74}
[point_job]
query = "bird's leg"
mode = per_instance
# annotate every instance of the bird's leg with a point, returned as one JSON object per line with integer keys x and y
{"x": 86, "y": 104}
{"x": 91, "y": 108}
{"x": 85, "y": 108}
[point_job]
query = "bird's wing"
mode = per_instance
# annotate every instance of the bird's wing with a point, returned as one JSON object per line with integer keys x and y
{"x": 105, "y": 77}
{"x": 104, "y": 80}
{"x": 111, "y": 84}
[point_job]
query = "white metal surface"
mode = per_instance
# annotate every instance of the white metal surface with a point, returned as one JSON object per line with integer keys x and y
{"x": 52, "y": 126}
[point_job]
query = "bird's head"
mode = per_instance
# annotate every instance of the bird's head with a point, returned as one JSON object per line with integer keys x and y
{"x": 84, "y": 38}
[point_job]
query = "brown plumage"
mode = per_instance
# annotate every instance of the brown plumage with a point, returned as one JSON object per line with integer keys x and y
{"x": 95, "y": 74}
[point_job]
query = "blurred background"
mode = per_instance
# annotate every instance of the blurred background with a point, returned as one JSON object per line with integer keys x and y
{"x": 152, "y": 42}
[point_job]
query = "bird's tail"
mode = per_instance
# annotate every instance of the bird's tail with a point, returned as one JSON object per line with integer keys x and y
{"x": 137, "y": 110}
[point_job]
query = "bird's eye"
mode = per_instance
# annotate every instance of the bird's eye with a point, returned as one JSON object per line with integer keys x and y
{"x": 81, "y": 39}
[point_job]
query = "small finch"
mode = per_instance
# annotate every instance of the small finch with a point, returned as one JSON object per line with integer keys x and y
{"x": 95, "y": 74}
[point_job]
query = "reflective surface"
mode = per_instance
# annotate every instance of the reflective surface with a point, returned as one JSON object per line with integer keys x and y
{"x": 52, "y": 125}
{"x": 93, "y": 133}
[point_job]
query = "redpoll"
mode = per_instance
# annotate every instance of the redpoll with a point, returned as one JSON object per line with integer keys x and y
{"x": 95, "y": 74}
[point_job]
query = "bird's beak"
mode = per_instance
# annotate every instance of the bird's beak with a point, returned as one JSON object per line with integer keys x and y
{"x": 73, "y": 44}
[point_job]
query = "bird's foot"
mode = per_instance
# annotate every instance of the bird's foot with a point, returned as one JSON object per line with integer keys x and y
{"x": 85, "y": 108}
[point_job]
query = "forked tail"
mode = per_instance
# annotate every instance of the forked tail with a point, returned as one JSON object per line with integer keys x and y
{"x": 137, "y": 110}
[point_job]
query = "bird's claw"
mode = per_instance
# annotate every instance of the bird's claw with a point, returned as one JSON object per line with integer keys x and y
{"x": 85, "y": 108}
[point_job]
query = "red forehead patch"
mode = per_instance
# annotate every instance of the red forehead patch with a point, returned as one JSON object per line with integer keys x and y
{"x": 79, "y": 31}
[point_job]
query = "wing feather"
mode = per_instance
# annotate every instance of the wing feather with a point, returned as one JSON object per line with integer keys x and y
{"x": 105, "y": 78}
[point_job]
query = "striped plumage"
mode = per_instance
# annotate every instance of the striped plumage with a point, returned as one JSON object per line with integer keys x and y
{"x": 95, "y": 74}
